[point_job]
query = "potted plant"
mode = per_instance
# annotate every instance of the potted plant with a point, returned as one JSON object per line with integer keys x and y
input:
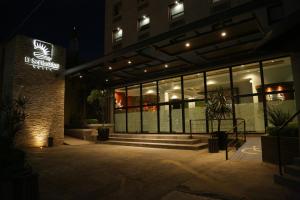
{"x": 289, "y": 141}
{"x": 98, "y": 98}
{"x": 218, "y": 109}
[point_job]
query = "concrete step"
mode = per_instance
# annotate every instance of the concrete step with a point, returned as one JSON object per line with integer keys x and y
{"x": 155, "y": 136}
{"x": 287, "y": 180}
{"x": 151, "y": 140}
{"x": 160, "y": 145}
{"x": 297, "y": 161}
{"x": 292, "y": 170}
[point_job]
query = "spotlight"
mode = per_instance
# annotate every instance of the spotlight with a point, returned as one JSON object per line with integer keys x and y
{"x": 223, "y": 34}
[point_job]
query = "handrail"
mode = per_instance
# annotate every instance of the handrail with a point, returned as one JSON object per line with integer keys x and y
{"x": 234, "y": 128}
{"x": 278, "y": 140}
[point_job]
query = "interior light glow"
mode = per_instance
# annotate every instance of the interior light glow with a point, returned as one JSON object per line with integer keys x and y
{"x": 187, "y": 44}
{"x": 110, "y": 68}
{"x": 129, "y": 62}
{"x": 145, "y": 70}
{"x": 80, "y": 76}
{"x": 174, "y": 97}
{"x": 176, "y": 87}
{"x": 211, "y": 82}
{"x": 166, "y": 66}
{"x": 106, "y": 80}
{"x": 150, "y": 92}
{"x": 251, "y": 81}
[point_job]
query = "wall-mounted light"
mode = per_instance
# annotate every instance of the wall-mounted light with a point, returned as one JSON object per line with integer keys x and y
{"x": 223, "y": 34}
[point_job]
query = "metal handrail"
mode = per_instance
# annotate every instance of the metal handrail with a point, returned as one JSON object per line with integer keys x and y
{"x": 233, "y": 129}
{"x": 278, "y": 140}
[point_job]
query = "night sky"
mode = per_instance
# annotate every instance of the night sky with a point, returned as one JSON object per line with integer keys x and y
{"x": 54, "y": 21}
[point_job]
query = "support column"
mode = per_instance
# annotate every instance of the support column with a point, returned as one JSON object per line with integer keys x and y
{"x": 296, "y": 72}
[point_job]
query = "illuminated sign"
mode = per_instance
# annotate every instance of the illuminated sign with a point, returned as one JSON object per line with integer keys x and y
{"x": 42, "y": 56}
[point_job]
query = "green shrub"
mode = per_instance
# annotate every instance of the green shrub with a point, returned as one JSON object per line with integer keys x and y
{"x": 289, "y": 131}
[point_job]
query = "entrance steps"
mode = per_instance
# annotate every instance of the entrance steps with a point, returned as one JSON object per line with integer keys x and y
{"x": 159, "y": 141}
{"x": 291, "y": 177}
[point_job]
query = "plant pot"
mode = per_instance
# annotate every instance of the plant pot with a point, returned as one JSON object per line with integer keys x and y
{"x": 103, "y": 134}
{"x": 50, "y": 141}
{"x": 222, "y": 140}
{"x": 213, "y": 145}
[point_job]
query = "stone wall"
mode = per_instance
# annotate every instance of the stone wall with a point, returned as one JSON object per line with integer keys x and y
{"x": 45, "y": 91}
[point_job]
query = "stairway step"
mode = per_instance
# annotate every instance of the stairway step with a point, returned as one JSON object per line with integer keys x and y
{"x": 287, "y": 180}
{"x": 297, "y": 161}
{"x": 160, "y": 145}
{"x": 154, "y": 136}
{"x": 292, "y": 170}
{"x": 151, "y": 140}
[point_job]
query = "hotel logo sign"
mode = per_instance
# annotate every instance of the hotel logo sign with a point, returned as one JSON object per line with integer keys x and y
{"x": 42, "y": 56}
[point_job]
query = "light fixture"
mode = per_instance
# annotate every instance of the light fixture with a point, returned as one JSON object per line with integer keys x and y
{"x": 211, "y": 82}
{"x": 80, "y": 76}
{"x": 145, "y": 70}
{"x": 166, "y": 66}
{"x": 223, "y": 34}
{"x": 150, "y": 92}
{"x": 251, "y": 81}
{"x": 129, "y": 62}
{"x": 110, "y": 68}
{"x": 176, "y": 87}
{"x": 174, "y": 97}
{"x": 176, "y": 2}
{"x": 187, "y": 44}
{"x": 106, "y": 80}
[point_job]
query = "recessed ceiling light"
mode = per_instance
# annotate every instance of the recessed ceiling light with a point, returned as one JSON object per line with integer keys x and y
{"x": 129, "y": 62}
{"x": 110, "y": 68}
{"x": 166, "y": 66}
{"x": 145, "y": 70}
{"x": 242, "y": 65}
{"x": 223, "y": 34}
{"x": 80, "y": 76}
{"x": 187, "y": 44}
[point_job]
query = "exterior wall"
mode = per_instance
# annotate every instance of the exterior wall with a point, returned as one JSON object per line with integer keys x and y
{"x": 44, "y": 90}
{"x": 159, "y": 17}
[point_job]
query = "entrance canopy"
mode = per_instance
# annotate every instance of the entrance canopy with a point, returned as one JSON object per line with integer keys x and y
{"x": 222, "y": 38}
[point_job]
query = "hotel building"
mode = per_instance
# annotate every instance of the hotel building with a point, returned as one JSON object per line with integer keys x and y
{"x": 163, "y": 59}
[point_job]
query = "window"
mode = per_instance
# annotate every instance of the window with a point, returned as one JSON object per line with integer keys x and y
{"x": 176, "y": 10}
{"x": 117, "y": 35}
{"x": 143, "y": 22}
{"x": 170, "y": 90}
{"x": 117, "y": 9}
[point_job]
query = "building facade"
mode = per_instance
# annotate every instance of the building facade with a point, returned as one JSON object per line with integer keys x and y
{"x": 32, "y": 68}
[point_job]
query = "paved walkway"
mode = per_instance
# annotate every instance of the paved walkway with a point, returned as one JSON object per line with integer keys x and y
{"x": 111, "y": 172}
{"x": 250, "y": 151}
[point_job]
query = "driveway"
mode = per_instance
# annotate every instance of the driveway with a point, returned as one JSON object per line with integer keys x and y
{"x": 99, "y": 171}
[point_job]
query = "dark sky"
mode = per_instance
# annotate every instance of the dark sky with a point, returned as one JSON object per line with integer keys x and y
{"x": 54, "y": 20}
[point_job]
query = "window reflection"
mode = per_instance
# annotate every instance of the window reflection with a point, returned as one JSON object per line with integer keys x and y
{"x": 120, "y": 98}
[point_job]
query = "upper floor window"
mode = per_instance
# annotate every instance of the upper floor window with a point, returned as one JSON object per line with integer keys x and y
{"x": 117, "y": 34}
{"x": 143, "y": 22}
{"x": 117, "y": 9}
{"x": 176, "y": 10}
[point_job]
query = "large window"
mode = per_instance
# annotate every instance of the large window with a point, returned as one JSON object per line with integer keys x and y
{"x": 178, "y": 105}
{"x": 279, "y": 85}
{"x": 117, "y": 35}
{"x": 170, "y": 90}
{"x": 143, "y": 22}
{"x": 176, "y": 10}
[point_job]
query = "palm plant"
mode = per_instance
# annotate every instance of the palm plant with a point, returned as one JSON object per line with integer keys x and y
{"x": 97, "y": 99}
{"x": 218, "y": 107}
{"x": 277, "y": 117}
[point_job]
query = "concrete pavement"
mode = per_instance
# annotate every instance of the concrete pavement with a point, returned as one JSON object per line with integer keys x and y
{"x": 100, "y": 171}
